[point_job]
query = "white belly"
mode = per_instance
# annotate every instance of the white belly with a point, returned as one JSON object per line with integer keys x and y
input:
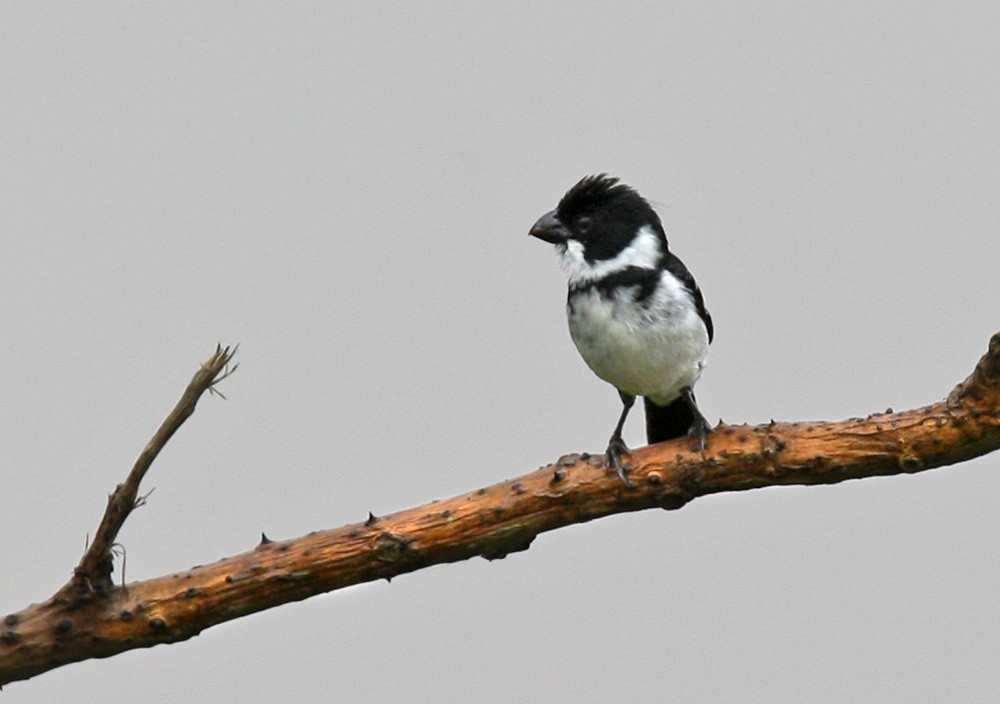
{"x": 654, "y": 351}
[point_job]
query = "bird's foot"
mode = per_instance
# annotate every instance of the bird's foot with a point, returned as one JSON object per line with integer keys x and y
{"x": 699, "y": 429}
{"x": 613, "y": 458}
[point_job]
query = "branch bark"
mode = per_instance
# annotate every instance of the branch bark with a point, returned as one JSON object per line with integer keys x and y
{"x": 82, "y": 622}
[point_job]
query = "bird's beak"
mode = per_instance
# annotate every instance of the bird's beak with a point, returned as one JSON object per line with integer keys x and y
{"x": 550, "y": 229}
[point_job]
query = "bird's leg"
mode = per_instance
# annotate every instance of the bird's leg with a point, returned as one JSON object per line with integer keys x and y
{"x": 699, "y": 426}
{"x": 616, "y": 446}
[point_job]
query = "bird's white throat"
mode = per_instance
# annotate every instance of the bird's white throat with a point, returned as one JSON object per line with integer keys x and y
{"x": 643, "y": 252}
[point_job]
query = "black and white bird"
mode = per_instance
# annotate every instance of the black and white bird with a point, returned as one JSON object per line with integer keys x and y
{"x": 635, "y": 312}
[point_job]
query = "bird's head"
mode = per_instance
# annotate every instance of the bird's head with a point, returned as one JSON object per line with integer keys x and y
{"x": 602, "y": 226}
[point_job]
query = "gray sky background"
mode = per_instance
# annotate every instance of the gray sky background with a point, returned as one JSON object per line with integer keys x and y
{"x": 346, "y": 189}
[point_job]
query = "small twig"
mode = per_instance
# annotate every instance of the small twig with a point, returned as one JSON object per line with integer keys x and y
{"x": 94, "y": 573}
{"x": 141, "y": 501}
{"x": 118, "y": 550}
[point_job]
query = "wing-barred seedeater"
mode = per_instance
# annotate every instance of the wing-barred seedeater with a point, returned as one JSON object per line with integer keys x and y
{"x": 635, "y": 312}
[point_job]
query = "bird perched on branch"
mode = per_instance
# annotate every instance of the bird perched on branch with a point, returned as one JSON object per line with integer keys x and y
{"x": 635, "y": 312}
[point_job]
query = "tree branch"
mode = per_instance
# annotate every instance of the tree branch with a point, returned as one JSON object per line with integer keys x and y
{"x": 92, "y": 577}
{"x": 501, "y": 519}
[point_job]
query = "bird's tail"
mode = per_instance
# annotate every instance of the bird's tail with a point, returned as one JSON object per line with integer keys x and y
{"x": 668, "y": 422}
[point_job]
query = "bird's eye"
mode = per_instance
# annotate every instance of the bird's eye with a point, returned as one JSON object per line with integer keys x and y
{"x": 583, "y": 224}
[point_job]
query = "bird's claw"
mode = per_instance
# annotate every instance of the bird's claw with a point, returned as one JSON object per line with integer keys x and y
{"x": 614, "y": 458}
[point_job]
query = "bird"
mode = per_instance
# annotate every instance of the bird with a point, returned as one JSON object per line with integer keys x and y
{"x": 635, "y": 313}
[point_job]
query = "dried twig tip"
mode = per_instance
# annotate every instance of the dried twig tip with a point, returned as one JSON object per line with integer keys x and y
{"x": 219, "y": 367}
